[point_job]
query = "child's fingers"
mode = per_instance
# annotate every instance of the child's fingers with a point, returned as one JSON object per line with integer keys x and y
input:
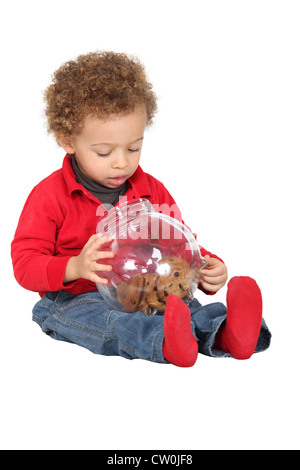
{"x": 97, "y": 240}
{"x": 211, "y": 287}
{"x": 213, "y": 272}
{"x": 92, "y": 239}
{"x": 97, "y": 279}
{"x": 102, "y": 267}
{"x": 214, "y": 280}
{"x": 208, "y": 287}
{"x": 104, "y": 254}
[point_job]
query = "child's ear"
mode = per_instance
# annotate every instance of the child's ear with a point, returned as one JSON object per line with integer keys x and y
{"x": 65, "y": 141}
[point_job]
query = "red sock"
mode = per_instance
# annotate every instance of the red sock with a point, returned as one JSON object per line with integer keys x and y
{"x": 180, "y": 346}
{"x": 239, "y": 334}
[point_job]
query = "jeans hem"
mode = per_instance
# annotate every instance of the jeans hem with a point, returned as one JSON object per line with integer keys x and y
{"x": 158, "y": 348}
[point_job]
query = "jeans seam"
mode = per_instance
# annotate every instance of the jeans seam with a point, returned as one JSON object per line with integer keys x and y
{"x": 127, "y": 349}
{"x": 46, "y": 301}
{"x": 75, "y": 324}
{"x": 157, "y": 351}
{"x": 79, "y": 302}
{"x": 122, "y": 346}
{"x": 37, "y": 319}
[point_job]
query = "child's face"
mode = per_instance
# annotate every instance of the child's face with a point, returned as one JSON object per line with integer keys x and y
{"x": 108, "y": 152}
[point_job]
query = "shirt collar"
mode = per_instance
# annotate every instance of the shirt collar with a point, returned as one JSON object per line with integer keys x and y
{"x": 69, "y": 175}
{"x": 138, "y": 181}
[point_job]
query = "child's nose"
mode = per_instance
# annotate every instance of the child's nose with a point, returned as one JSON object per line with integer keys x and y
{"x": 120, "y": 160}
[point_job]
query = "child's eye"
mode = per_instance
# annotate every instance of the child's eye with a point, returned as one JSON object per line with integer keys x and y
{"x": 133, "y": 150}
{"x": 103, "y": 154}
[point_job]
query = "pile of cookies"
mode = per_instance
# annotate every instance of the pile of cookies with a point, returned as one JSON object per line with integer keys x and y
{"x": 149, "y": 292}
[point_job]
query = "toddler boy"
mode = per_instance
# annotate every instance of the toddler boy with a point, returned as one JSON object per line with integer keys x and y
{"x": 98, "y": 108}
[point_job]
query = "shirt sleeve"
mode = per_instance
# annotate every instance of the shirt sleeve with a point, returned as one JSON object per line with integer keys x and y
{"x": 35, "y": 265}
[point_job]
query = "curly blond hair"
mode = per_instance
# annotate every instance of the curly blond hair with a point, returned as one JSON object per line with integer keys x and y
{"x": 98, "y": 84}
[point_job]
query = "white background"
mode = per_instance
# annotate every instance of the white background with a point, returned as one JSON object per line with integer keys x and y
{"x": 226, "y": 145}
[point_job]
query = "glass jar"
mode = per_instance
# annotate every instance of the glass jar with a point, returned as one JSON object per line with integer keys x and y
{"x": 155, "y": 256}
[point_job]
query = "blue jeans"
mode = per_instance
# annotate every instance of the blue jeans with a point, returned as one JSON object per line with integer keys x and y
{"x": 86, "y": 320}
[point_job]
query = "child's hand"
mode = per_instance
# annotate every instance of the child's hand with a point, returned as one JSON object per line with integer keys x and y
{"x": 85, "y": 264}
{"x": 214, "y": 276}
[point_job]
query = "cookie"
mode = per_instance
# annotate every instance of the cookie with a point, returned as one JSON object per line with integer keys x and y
{"x": 175, "y": 278}
{"x": 130, "y": 292}
{"x": 150, "y": 298}
{"x": 148, "y": 292}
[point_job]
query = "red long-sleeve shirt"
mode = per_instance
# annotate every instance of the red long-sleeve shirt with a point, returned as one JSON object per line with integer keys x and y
{"x": 58, "y": 218}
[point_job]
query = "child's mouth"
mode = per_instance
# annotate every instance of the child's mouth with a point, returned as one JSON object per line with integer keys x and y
{"x": 117, "y": 180}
